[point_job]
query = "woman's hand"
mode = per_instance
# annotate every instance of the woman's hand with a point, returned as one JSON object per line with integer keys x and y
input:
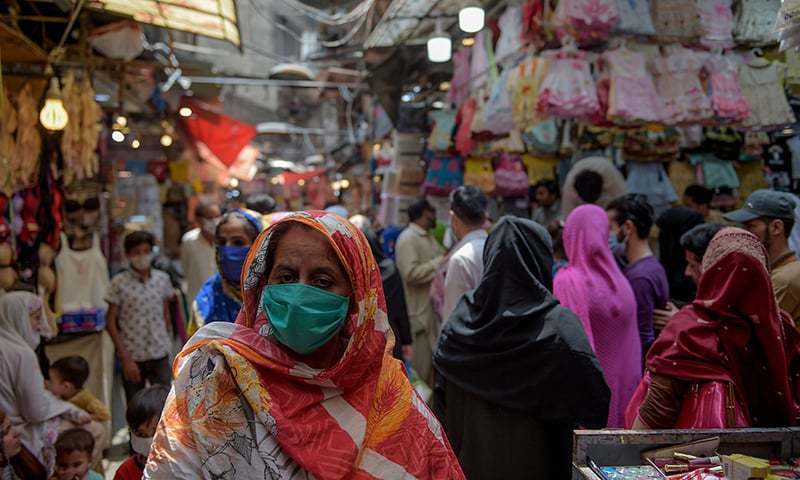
{"x": 11, "y": 444}
{"x": 662, "y": 317}
{"x": 130, "y": 370}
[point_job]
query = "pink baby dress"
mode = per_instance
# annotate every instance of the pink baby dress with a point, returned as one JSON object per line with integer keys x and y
{"x": 568, "y": 90}
{"x": 727, "y": 98}
{"x": 716, "y": 20}
{"x": 678, "y": 83}
{"x": 586, "y": 20}
{"x": 633, "y": 98}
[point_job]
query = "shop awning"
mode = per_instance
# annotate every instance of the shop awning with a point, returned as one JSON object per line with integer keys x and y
{"x": 210, "y": 18}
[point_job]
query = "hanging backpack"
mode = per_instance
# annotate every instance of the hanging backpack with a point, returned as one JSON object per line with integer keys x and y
{"x": 510, "y": 177}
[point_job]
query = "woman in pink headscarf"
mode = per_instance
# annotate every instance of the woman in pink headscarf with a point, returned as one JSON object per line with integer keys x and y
{"x": 595, "y": 289}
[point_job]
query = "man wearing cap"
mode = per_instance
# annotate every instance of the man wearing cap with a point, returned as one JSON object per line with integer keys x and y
{"x": 769, "y": 215}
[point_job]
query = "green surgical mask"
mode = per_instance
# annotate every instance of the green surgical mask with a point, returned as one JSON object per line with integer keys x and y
{"x": 303, "y": 317}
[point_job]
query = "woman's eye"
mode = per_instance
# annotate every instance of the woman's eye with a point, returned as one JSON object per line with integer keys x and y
{"x": 323, "y": 283}
{"x": 286, "y": 278}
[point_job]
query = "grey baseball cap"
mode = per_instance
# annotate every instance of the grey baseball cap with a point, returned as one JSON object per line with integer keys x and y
{"x": 764, "y": 203}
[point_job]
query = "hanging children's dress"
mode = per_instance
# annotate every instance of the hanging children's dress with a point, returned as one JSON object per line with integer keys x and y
{"x": 525, "y": 82}
{"x": 716, "y": 20}
{"x": 678, "y": 83}
{"x": 444, "y": 121}
{"x": 510, "y": 40}
{"x": 480, "y": 70}
{"x": 762, "y": 85}
{"x": 755, "y": 22}
{"x": 568, "y": 90}
{"x": 676, "y": 20}
{"x": 727, "y": 98}
{"x": 587, "y": 21}
{"x": 633, "y": 98}
{"x": 635, "y": 18}
{"x": 459, "y": 84}
{"x": 498, "y": 114}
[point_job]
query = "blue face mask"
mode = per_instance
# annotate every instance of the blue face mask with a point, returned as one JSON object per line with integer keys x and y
{"x": 231, "y": 261}
{"x": 303, "y": 317}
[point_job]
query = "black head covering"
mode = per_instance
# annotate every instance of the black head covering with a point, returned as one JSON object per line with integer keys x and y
{"x": 673, "y": 224}
{"x": 511, "y": 343}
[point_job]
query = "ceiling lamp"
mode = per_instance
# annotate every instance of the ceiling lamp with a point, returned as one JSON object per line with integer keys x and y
{"x": 117, "y": 136}
{"x": 440, "y": 46}
{"x": 185, "y": 112}
{"x": 471, "y": 19}
{"x": 135, "y": 144}
{"x": 166, "y": 140}
{"x": 122, "y": 121}
{"x": 53, "y": 115}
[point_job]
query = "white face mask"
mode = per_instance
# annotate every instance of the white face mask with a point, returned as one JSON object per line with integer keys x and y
{"x": 142, "y": 262}
{"x": 141, "y": 445}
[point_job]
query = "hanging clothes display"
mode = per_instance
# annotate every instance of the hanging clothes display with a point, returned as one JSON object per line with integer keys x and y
{"x": 568, "y": 90}
{"x": 82, "y": 278}
{"x": 525, "y": 82}
{"x": 498, "y": 113}
{"x": 444, "y": 121}
{"x": 460, "y": 83}
{"x": 634, "y": 18}
{"x": 762, "y": 84}
{"x": 510, "y": 40}
{"x": 483, "y": 69}
{"x": 650, "y": 180}
{"x": 716, "y": 20}
{"x": 755, "y": 22}
{"x": 587, "y": 21}
{"x": 444, "y": 173}
{"x": 676, "y": 20}
{"x": 678, "y": 83}
{"x": 511, "y": 179}
{"x": 464, "y": 119}
{"x": 717, "y": 173}
{"x": 727, "y": 99}
{"x": 479, "y": 173}
{"x": 535, "y": 13}
{"x": 633, "y": 98}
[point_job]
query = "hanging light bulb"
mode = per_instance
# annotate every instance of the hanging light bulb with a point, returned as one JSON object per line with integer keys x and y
{"x": 166, "y": 140}
{"x": 122, "y": 121}
{"x": 185, "y": 112}
{"x": 471, "y": 19}
{"x": 53, "y": 115}
{"x": 117, "y": 136}
{"x": 440, "y": 46}
{"x": 135, "y": 144}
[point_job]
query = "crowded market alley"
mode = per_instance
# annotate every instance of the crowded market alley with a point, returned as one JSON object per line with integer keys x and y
{"x": 399, "y": 239}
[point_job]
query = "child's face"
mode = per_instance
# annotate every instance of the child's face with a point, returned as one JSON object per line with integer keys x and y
{"x": 145, "y": 433}
{"x": 72, "y": 465}
{"x": 60, "y": 387}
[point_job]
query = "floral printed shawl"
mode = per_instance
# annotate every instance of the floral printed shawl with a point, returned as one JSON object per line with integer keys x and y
{"x": 242, "y": 407}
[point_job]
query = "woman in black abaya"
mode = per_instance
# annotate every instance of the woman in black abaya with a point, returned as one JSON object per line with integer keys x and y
{"x": 515, "y": 372}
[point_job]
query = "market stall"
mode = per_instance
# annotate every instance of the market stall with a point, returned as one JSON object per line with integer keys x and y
{"x": 673, "y": 93}
{"x": 690, "y": 454}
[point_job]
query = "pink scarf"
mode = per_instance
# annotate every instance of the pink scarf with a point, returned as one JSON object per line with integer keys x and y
{"x": 595, "y": 289}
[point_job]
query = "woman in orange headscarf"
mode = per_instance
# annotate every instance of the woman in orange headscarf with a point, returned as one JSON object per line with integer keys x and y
{"x": 303, "y": 384}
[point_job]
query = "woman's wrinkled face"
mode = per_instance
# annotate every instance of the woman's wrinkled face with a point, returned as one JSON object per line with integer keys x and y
{"x": 304, "y": 256}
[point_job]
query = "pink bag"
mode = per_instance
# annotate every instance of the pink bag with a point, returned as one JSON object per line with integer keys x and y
{"x": 705, "y": 405}
{"x": 510, "y": 177}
